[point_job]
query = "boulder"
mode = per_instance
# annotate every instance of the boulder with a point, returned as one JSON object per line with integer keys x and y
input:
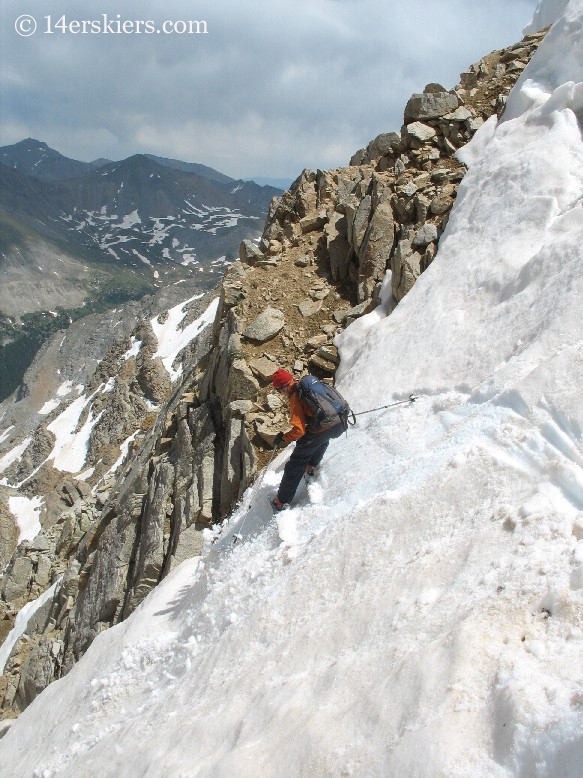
{"x": 275, "y": 247}
{"x": 430, "y": 106}
{"x": 39, "y": 543}
{"x": 440, "y": 204}
{"x": 383, "y": 144}
{"x": 408, "y": 188}
{"x": 425, "y": 235}
{"x": 322, "y": 365}
{"x": 353, "y": 313}
{"x": 319, "y": 294}
{"x": 329, "y": 353}
{"x": 265, "y": 326}
{"x": 267, "y": 432}
{"x": 469, "y": 79}
{"x": 263, "y": 368}
{"x": 460, "y": 114}
{"x": 313, "y": 222}
{"x": 240, "y": 408}
{"x": 315, "y": 342}
{"x": 434, "y": 88}
{"x": 274, "y": 402}
{"x": 405, "y": 209}
{"x": 309, "y": 308}
{"x": 421, "y": 208}
{"x": 248, "y": 252}
{"x": 243, "y": 384}
{"x": 421, "y": 132}
{"x": 474, "y": 123}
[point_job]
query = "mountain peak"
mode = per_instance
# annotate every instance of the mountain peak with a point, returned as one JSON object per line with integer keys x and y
{"x": 36, "y": 158}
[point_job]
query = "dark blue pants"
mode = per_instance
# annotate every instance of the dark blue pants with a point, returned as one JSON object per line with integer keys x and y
{"x": 309, "y": 450}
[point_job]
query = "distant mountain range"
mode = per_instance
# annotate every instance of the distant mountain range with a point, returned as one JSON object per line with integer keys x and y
{"x": 36, "y": 159}
{"x": 143, "y": 210}
{"x": 79, "y": 237}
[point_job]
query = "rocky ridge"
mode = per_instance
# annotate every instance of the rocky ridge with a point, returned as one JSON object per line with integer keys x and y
{"x": 319, "y": 265}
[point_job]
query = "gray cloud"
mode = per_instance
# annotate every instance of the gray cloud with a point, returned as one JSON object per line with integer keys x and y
{"x": 275, "y": 85}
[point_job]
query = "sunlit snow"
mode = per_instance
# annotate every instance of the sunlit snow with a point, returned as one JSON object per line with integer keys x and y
{"x": 71, "y": 444}
{"x": 172, "y": 339}
{"x": 134, "y": 349}
{"x": 6, "y": 434}
{"x": 26, "y": 512}
{"x": 49, "y": 406}
{"x": 14, "y": 454}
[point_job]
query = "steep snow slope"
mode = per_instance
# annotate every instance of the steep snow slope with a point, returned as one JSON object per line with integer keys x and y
{"x": 420, "y": 611}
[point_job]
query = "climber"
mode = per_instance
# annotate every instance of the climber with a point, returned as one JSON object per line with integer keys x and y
{"x": 311, "y": 438}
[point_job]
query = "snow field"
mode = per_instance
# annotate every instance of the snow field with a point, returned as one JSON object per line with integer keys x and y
{"x": 414, "y": 608}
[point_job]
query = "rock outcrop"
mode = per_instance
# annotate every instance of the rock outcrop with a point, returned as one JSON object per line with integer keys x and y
{"x": 194, "y": 445}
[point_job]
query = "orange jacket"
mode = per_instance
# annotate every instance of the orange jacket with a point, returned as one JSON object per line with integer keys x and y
{"x": 297, "y": 418}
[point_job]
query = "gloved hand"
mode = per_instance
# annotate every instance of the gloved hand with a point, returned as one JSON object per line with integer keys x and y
{"x": 278, "y": 440}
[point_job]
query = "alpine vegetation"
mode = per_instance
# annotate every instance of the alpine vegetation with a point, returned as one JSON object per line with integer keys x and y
{"x": 418, "y": 610}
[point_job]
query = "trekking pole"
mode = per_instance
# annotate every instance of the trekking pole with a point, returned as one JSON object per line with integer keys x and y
{"x": 256, "y": 485}
{"x": 411, "y": 399}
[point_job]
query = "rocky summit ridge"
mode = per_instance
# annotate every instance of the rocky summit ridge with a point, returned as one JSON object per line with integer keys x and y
{"x": 174, "y": 437}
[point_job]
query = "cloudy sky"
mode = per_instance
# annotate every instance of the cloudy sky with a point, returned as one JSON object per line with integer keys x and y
{"x": 272, "y": 87}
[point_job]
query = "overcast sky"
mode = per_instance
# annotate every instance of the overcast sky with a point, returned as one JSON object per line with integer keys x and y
{"x": 272, "y": 87}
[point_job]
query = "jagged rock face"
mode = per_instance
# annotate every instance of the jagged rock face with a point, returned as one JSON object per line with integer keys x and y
{"x": 325, "y": 249}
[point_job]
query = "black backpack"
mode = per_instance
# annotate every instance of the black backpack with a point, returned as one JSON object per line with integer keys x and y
{"x": 326, "y": 405}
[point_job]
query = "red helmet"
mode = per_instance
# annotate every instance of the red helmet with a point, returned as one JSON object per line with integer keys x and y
{"x": 281, "y": 378}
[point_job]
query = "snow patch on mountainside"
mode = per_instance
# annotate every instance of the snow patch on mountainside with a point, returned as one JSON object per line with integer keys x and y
{"x": 24, "y": 616}
{"x": 26, "y": 511}
{"x": 172, "y": 339}
{"x": 14, "y": 455}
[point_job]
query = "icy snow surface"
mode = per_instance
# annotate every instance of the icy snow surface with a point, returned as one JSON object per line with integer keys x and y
{"x": 419, "y": 610}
